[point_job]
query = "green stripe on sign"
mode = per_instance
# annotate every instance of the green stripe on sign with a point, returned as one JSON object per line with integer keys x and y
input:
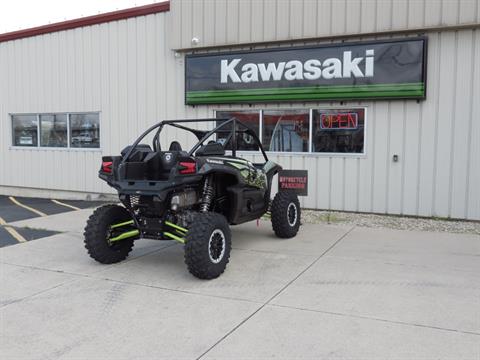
{"x": 308, "y": 93}
{"x": 330, "y": 88}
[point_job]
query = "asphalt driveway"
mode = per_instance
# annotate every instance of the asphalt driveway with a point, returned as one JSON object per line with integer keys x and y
{"x": 331, "y": 292}
{"x": 13, "y": 209}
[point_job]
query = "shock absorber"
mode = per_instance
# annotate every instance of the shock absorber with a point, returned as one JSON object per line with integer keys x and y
{"x": 207, "y": 195}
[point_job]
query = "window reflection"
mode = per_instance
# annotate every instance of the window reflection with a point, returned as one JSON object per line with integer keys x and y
{"x": 285, "y": 130}
{"x": 249, "y": 118}
{"x": 53, "y": 130}
{"x": 84, "y": 131}
{"x": 25, "y": 131}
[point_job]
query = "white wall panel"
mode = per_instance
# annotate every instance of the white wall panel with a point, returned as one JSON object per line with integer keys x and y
{"x": 444, "y": 125}
{"x": 460, "y": 127}
{"x": 395, "y": 147}
{"x": 310, "y": 18}
{"x": 338, "y": 22}
{"x": 379, "y": 153}
{"x": 410, "y": 159}
{"x": 296, "y": 19}
{"x": 416, "y": 14}
{"x": 196, "y": 19}
{"x": 322, "y": 181}
{"x": 258, "y": 22}
{"x": 244, "y": 22}
{"x": 208, "y": 22}
{"x": 433, "y": 12}
{"x": 450, "y": 11}
{"x": 472, "y": 190}
{"x": 232, "y": 19}
{"x": 399, "y": 11}
{"x": 365, "y": 182}
{"x": 337, "y": 183}
{"x": 350, "y": 199}
{"x": 429, "y": 119}
{"x": 267, "y": 20}
{"x": 270, "y": 22}
{"x": 185, "y": 20}
{"x": 468, "y": 11}
{"x": 324, "y": 17}
{"x": 282, "y": 19}
{"x": 384, "y": 15}
{"x": 368, "y": 21}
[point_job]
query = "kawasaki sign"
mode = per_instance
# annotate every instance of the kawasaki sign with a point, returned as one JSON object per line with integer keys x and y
{"x": 363, "y": 70}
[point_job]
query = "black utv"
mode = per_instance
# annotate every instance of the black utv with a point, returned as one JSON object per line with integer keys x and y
{"x": 188, "y": 196}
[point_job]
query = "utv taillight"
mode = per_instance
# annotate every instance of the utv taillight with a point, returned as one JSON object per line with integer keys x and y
{"x": 107, "y": 166}
{"x": 187, "y": 167}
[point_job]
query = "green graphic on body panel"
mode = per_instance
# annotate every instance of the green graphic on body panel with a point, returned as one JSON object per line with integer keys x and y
{"x": 252, "y": 175}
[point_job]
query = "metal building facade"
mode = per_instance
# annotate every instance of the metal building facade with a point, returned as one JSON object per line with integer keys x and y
{"x": 132, "y": 72}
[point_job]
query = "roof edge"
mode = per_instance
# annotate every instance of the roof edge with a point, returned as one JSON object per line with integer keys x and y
{"x": 88, "y": 20}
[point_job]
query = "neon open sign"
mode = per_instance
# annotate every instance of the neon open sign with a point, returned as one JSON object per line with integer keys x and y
{"x": 344, "y": 121}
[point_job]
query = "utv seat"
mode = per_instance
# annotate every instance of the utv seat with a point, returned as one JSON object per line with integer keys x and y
{"x": 160, "y": 163}
{"x": 138, "y": 154}
{"x": 175, "y": 146}
{"x": 213, "y": 149}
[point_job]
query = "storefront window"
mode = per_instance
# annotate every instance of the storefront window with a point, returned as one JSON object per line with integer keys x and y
{"x": 84, "y": 131}
{"x": 53, "y": 130}
{"x": 244, "y": 141}
{"x": 25, "y": 130}
{"x": 286, "y": 130}
{"x": 338, "y": 130}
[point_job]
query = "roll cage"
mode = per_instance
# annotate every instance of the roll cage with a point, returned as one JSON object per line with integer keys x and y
{"x": 202, "y": 135}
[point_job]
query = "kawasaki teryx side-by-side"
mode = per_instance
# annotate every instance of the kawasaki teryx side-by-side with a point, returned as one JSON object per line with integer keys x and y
{"x": 188, "y": 196}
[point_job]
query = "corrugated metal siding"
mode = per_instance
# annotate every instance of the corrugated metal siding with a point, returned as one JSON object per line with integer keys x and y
{"x": 126, "y": 70}
{"x": 229, "y": 22}
{"x": 118, "y": 68}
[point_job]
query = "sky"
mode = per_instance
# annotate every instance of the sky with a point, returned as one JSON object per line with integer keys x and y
{"x": 24, "y": 14}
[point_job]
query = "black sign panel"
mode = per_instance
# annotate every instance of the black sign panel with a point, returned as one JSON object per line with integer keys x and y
{"x": 293, "y": 180}
{"x": 362, "y": 70}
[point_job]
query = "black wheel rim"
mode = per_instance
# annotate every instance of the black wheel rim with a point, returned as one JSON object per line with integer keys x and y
{"x": 216, "y": 246}
{"x": 292, "y": 214}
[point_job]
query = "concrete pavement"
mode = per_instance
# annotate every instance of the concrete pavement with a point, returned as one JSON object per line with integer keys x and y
{"x": 331, "y": 292}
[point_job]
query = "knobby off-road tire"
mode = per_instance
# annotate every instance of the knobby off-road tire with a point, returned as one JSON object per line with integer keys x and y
{"x": 97, "y": 232}
{"x": 285, "y": 212}
{"x": 207, "y": 245}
